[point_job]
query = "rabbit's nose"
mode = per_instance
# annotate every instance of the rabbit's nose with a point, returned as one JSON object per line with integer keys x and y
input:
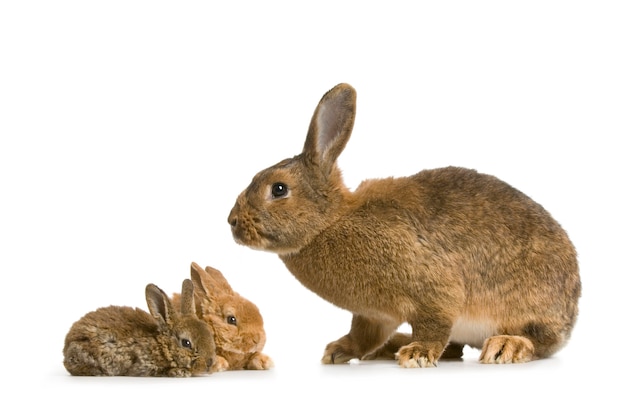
{"x": 232, "y": 217}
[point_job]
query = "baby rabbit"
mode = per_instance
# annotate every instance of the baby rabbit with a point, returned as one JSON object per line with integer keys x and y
{"x": 462, "y": 257}
{"x": 235, "y": 321}
{"x": 125, "y": 341}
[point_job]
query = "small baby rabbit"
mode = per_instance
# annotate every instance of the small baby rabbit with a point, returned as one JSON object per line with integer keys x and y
{"x": 125, "y": 341}
{"x": 462, "y": 257}
{"x": 235, "y": 321}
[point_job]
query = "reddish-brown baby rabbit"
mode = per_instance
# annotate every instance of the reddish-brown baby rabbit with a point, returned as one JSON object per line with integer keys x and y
{"x": 236, "y": 321}
{"x": 125, "y": 341}
{"x": 462, "y": 257}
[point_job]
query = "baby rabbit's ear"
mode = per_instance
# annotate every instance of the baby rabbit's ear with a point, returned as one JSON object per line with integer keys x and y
{"x": 197, "y": 276}
{"x": 205, "y": 297}
{"x": 158, "y": 304}
{"x": 215, "y": 282}
{"x": 187, "y": 306}
{"x": 330, "y": 127}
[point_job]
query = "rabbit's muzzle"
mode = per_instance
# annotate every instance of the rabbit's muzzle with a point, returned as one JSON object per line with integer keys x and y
{"x": 242, "y": 227}
{"x": 235, "y": 224}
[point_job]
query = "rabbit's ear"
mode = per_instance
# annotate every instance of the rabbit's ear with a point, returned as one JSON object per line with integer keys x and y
{"x": 158, "y": 304}
{"x": 216, "y": 283}
{"x": 330, "y": 127}
{"x": 197, "y": 274}
{"x": 187, "y": 306}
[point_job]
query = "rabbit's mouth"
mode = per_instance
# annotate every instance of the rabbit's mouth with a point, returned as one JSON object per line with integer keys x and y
{"x": 247, "y": 235}
{"x": 248, "y": 230}
{"x": 201, "y": 366}
{"x": 260, "y": 240}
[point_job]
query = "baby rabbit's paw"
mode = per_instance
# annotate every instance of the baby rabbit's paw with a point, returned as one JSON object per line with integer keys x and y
{"x": 219, "y": 364}
{"x": 419, "y": 354}
{"x": 505, "y": 349}
{"x": 259, "y": 361}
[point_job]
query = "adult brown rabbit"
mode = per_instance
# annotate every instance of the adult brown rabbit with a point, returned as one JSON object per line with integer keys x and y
{"x": 462, "y": 257}
{"x": 125, "y": 341}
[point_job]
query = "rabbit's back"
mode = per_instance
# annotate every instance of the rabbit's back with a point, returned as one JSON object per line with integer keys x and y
{"x": 457, "y": 211}
{"x": 113, "y": 340}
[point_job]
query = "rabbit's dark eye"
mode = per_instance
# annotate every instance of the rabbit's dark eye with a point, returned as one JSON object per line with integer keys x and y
{"x": 231, "y": 320}
{"x": 185, "y": 343}
{"x": 279, "y": 190}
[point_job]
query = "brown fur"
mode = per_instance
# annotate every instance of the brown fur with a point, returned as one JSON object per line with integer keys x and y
{"x": 125, "y": 341}
{"x": 461, "y": 256}
{"x": 239, "y": 343}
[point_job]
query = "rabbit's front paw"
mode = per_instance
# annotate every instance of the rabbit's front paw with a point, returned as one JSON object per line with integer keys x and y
{"x": 506, "y": 349}
{"x": 419, "y": 354}
{"x": 219, "y": 364}
{"x": 259, "y": 361}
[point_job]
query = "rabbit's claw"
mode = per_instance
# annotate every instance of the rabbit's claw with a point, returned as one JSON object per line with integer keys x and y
{"x": 419, "y": 354}
{"x": 505, "y": 349}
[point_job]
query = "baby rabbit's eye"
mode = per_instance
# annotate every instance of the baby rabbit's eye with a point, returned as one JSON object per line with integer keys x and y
{"x": 185, "y": 343}
{"x": 279, "y": 190}
{"x": 231, "y": 320}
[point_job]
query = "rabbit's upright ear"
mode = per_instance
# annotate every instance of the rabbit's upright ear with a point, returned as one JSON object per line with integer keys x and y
{"x": 200, "y": 291}
{"x": 216, "y": 283}
{"x": 187, "y": 306}
{"x": 331, "y": 127}
{"x": 159, "y": 304}
{"x": 196, "y": 276}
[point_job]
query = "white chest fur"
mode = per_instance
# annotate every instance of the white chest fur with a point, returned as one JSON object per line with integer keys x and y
{"x": 472, "y": 331}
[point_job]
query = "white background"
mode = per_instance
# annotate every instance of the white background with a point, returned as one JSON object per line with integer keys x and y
{"x": 128, "y": 129}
